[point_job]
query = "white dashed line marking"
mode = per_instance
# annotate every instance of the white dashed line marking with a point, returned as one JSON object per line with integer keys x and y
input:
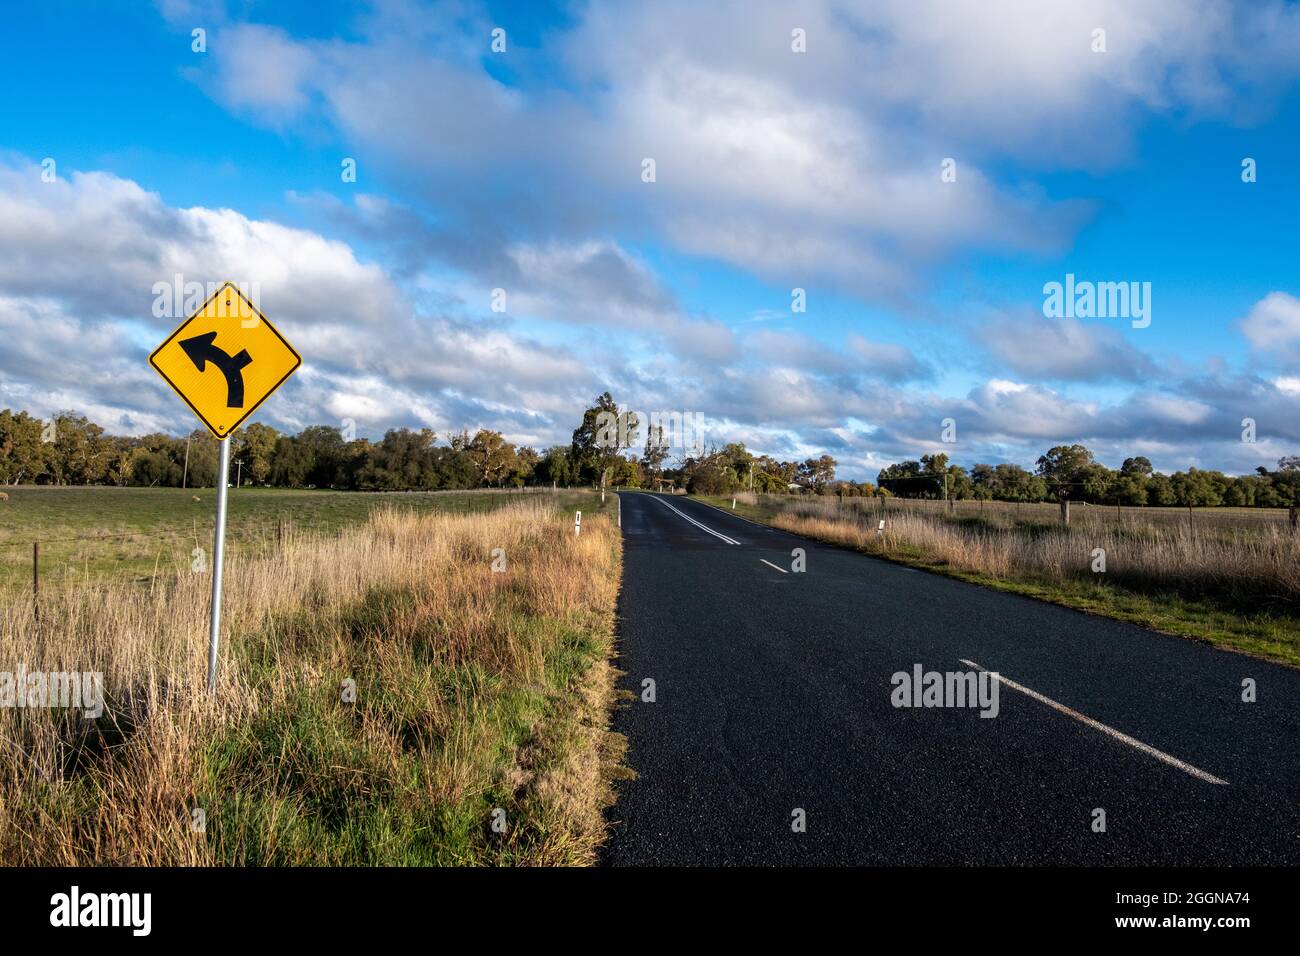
{"x": 697, "y": 524}
{"x": 771, "y": 565}
{"x": 1123, "y": 738}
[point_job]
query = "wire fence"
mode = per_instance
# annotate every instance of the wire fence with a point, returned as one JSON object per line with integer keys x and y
{"x": 31, "y": 559}
{"x": 1038, "y": 512}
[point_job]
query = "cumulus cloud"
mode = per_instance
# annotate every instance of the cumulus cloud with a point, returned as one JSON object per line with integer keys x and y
{"x": 1063, "y": 349}
{"x": 754, "y": 167}
{"x": 860, "y": 357}
{"x": 81, "y": 260}
{"x": 100, "y": 243}
{"x": 1273, "y": 328}
{"x": 822, "y": 166}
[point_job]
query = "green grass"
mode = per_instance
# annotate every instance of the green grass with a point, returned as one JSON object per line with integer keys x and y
{"x": 311, "y": 788}
{"x": 312, "y": 791}
{"x": 88, "y": 533}
{"x": 475, "y": 691}
{"x": 1270, "y": 632}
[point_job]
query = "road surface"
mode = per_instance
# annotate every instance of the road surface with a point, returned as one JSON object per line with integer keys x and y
{"x": 773, "y": 695}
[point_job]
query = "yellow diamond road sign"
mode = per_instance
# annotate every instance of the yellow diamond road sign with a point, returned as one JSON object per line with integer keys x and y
{"x": 225, "y": 360}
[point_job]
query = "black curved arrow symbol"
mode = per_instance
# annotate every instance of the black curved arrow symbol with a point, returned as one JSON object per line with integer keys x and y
{"x": 201, "y": 351}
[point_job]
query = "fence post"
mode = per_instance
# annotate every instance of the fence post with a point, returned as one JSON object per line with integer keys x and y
{"x": 1065, "y": 510}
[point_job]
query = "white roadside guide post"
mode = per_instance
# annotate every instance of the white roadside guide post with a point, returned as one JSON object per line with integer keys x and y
{"x": 225, "y": 360}
{"x": 577, "y": 523}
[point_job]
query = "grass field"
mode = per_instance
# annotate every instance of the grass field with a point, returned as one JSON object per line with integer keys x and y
{"x": 481, "y": 695}
{"x": 1228, "y": 576}
{"x": 88, "y": 533}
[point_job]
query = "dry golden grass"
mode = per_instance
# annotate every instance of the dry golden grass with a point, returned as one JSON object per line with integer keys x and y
{"x": 474, "y": 690}
{"x": 1261, "y": 563}
{"x": 1221, "y": 575}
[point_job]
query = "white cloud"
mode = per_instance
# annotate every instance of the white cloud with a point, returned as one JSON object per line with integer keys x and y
{"x": 1289, "y": 385}
{"x": 1062, "y": 349}
{"x": 818, "y": 167}
{"x": 79, "y": 260}
{"x": 1273, "y": 328}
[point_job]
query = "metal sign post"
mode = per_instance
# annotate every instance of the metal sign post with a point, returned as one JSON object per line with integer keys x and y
{"x": 218, "y": 556}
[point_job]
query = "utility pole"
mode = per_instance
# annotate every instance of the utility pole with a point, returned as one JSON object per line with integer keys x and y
{"x": 186, "y": 474}
{"x": 239, "y": 473}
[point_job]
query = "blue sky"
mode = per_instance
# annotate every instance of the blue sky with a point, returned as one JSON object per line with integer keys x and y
{"x": 775, "y": 170}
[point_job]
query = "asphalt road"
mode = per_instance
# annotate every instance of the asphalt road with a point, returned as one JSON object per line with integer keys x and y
{"x": 773, "y": 694}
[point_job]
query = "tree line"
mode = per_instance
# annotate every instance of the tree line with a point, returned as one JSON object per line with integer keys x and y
{"x": 1072, "y": 472}
{"x": 71, "y": 449}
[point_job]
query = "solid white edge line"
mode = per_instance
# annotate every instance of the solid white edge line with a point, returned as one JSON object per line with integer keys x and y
{"x": 1109, "y": 731}
{"x": 697, "y": 524}
{"x": 771, "y": 565}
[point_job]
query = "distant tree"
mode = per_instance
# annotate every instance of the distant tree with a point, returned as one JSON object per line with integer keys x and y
{"x": 627, "y": 473}
{"x": 451, "y": 470}
{"x": 708, "y": 474}
{"x": 817, "y": 473}
{"x": 598, "y": 443}
{"x": 910, "y": 479}
{"x": 1285, "y": 485}
{"x": 22, "y": 453}
{"x": 960, "y": 486}
{"x": 328, "y": 453}
{"x": 405, "y": 460}
{"x": 204, "y": 453}
{"x": 656, "y": 450}
{"x": 79, "y": 455}
{"x": 983, "y": 481}
{"x": 1067, "y": 470}
{"x": 1160, "y": 491}
{"x": 934, "y": 464}
{"x": 493, "y": 456}
{"x": 291, "y": 463}
{"x": 555, "y": 467}
{"x": 117, "y": 470}
{"x": 1136, "y": 466}
{"x": 524, "y": 467}
{"x": 151, "y": 468}
{"x": 256, "y": 449}
{"x": 1129, "y": 489}
{"x": 1196, "y": 488}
